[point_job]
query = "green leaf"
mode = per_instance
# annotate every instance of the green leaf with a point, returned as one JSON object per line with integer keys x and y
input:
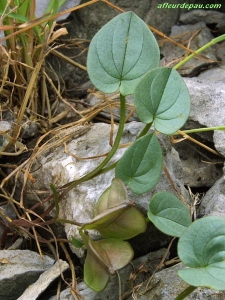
{"x": 104, "y": 257}
{"x": 121, "y": 222}
{"x": 113, "y": 196}
{"x": 120, "y": 53}
{"x": 168, "y": 214}
{"x": 96, "y": 275}
{"x": 141, "y": 165}
{"x": 162, "y": 96}
{"x": 129, "y": 224}
{"x": 77, "y": 243}
{"x": 16, "y": 17}
{"x": 202, "y": 249}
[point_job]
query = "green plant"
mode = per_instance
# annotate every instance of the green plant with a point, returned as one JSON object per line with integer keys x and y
{"x": 116, "y": 220}
{"x": 201, "y": 245}
{"x": 124, "y": 56}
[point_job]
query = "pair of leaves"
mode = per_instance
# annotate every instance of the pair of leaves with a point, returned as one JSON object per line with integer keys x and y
{"x": 116, "y": 220}
{"x": 115, "y": 217}
{"x": 160, "y": 96}
{"x": 201, "y": 246}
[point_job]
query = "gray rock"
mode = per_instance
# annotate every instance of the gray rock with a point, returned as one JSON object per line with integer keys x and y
{"x": 207, "y": 102}
{"x": 29, "y": 129}
{"x": 205, "y": 15}
{"x": 19, "y": 269}
{"x": 42, "y": 5}
{"x": 4, "y": 127}
{"x": 195, "y": 36}
{"x": 213, "y": 202}
{"x": 37, "y": 288}
{"x": 220, "y": 52}
{"x": 215, "y": 74}
{"x": 198, "y": 171}
{"x": 97, "y": 98}
{"x": 61, "y": 168}
{"x": 160, "y": 19}
{"x": 166, "y": 285}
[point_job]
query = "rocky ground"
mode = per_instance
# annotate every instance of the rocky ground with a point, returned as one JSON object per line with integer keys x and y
{"x": 197, "y": 173}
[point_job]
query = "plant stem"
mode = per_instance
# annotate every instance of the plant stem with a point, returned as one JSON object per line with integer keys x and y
{"x": 214, "y": 41}
{"x": 145, "y": 130}
{"x": 113, "y": 165}
{"x": 113, "y": 150}
{"x": 186, "y": 292}
{"x": 202, "y": 129}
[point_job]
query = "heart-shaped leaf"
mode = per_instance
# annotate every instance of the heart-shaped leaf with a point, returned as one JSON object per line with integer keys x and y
{"x": 121, "y": 222}
{"x": 168, "y": 214}
{"x": 104, "y": 257}
{"x": 202, "y": 248}
{"x": 120, "y": 53}
{"x": 162, "y": 96}
{"x": 113, "y": 196}
{"x": 141, "y": 165}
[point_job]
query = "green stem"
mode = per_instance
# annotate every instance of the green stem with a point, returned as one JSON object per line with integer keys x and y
{"x": 186, "y": 292}
{"x": 202, "y": 129}
{"x": 145, "y": 130}
{"x": 112, "y": 166}
{"x": 214, "y": 41}
{"x": 113, "y": 150}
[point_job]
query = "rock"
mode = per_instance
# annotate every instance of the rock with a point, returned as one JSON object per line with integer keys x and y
{"x": 207, "y": 16}
{"x": 200, "y": 167}
{"x": 22, "y": 268}
{"x": 166, "y": 284}
{"x": 159, "y": 18}
{"x": 4, "y": 127}
{"x": 60, "y": 167}
{"x": 97, "y": 98}
{"x": 198, "y": 171}
{"x": 42, "y": 5}
{"x": 207, "y": 102}
{"x": 215, "y": 74}
{"x": 220, "y": 53}
{"x": 195, "y": 36}
{"x": 131, "y": 275}
{"x": 37, "y": 288}
{"x": 213, "y": 202}
{"x": 29, "y": 129}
